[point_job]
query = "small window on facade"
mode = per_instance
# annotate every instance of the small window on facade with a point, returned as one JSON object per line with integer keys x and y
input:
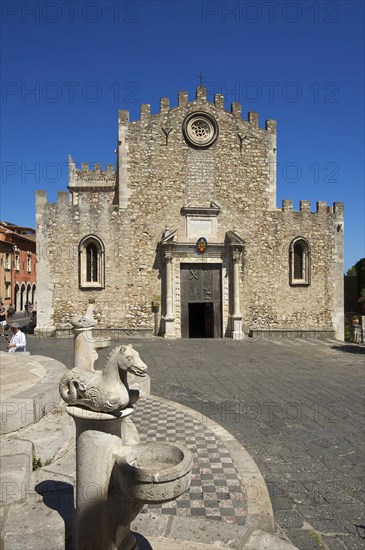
{"x": 17, "y": 262}
{"x": 299, "y": 262}
{"x": 91, "y": 262}
{"x": 29, "y": 264}
{"x": 7, "y": 290}
{"x": 7, "y": 261}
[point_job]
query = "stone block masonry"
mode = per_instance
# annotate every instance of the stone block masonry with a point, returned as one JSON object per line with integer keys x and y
{"x": 195, "y": 165}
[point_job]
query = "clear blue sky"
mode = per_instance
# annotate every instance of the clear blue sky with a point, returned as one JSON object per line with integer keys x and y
{"x": 300, "y": 63}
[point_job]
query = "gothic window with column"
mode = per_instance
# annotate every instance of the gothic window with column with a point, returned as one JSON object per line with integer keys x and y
{"x": 91, "y": 263}
{"x": 7, "y": 290}
{"x": 17, "y": 260}
{"x": 7, "y": 264}
{"x": 299, "y": 262}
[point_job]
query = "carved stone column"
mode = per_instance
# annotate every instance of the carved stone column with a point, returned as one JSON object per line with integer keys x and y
{"x": 236, "y": 316}
{"x": 169, "y": 318}
{"x": 98, "y": 443}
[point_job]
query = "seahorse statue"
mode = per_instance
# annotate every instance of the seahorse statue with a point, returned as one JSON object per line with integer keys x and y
{"x": 106, "y": 390}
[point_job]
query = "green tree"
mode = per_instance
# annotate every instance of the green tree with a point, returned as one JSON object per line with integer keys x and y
{"x": 358, "y": 271}
{"x": 351, "y": 272}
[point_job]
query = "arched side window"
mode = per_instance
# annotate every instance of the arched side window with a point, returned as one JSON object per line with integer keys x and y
{"x": 91, "y": 263}
{"x": 299, "y": 262}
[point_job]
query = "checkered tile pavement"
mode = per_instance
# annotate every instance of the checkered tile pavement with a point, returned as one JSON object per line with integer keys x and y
{"x": 215, "y": 491}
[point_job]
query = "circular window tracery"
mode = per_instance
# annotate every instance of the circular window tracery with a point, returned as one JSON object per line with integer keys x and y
{"x": 200, "y": 129}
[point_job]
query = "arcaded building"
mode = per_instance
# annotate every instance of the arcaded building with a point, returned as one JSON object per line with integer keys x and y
{"x": 184, "y": 238}
{"x": 18, "y": 264}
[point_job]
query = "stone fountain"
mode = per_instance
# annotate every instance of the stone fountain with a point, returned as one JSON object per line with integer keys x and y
{"x": 115, "y": 473}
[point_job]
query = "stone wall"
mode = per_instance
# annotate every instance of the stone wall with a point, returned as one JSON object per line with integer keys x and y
{"x": 158, "y": 173}
{"x": 271, "y": 302}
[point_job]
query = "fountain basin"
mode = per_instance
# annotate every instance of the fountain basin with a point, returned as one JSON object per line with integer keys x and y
{"x": 156, "y": 472}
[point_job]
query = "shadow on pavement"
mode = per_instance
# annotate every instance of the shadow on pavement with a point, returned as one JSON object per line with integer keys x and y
{"x": 143, "y": 543}
{"x": 59, "y": 496}
{"x": 350, "y": 349}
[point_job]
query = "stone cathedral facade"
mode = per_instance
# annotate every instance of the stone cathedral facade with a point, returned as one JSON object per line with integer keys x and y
{"x": 184, "y": 238}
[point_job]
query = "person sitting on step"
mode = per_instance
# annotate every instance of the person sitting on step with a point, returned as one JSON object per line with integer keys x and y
{"x": 2, "y": 319}
{"x": 18, "y": 341}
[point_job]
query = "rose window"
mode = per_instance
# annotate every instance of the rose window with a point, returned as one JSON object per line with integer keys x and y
{"x": 200, "y": 130}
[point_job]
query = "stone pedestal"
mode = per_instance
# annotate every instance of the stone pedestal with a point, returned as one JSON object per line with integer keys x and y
{"x": 115, "y": 473}
{"x": 99, "y": 440}
{"x": 237, "y": 333}
{"x": 169, "y": 331}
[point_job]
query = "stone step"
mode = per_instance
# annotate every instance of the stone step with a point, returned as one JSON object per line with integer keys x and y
{"x": 42, "y": 518}
{"x": 15, "y": 470}
{"x": 28, "y": 389}
{"x": 47, "y": 440}
{"x": 52, "y": 436}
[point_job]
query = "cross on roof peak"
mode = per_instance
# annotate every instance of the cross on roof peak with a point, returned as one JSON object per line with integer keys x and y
{"x": 201, "y": 76}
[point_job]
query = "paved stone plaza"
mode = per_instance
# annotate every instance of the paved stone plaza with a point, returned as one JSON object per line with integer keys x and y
{"x": 295, "y": 405}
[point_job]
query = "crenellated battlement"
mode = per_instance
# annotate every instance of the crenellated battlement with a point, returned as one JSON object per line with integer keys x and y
{"x": 201, "y": 97}
{"x": 321, "y": 207}
{"x": 73, "y": 202}
{"x": 41, "y": 200}
{"x": 87, "y": 177}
